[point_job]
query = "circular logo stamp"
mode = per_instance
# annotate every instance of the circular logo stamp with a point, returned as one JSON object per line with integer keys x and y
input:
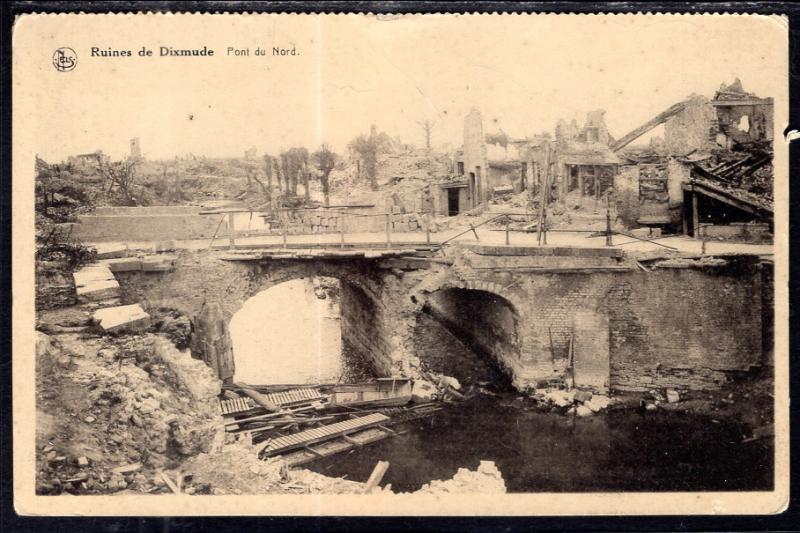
{"x": 65, "y": 59}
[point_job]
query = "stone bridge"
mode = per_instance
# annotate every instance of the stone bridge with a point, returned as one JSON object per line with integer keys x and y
{"x": 632, "y": 325}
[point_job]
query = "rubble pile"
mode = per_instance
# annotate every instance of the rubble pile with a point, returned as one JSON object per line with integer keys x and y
{"x": 486, "y": 479}
{"x": 236, "y": 469}
{"x": 575, "y": 402}
{"x": 111, "y": 411}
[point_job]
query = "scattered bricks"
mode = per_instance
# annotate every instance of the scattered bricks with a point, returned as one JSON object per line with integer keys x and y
{"x": 123, "y": 264}
{"x": 125, "y": 318}
{"x": 111, "y": 250}
{"x": 158, "y": 263}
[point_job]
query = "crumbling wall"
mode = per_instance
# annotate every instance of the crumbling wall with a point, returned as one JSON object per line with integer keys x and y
{"x": 475, "y": 153}
{"x": 330, "y": 221}
{"x": 626, "y": 189}
{"x": 758, "y": 126}
{"x": 694, "y": 128}
{"x": 665, "y": 328}
{"x": 654, "y": 192}
{"x": 366, "y": 328}
{"x": 147, "y": 227}
{"x": 674, "y": 328}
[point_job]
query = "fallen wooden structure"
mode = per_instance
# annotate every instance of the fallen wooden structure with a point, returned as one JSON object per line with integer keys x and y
{"x": 302, "y": 423}
{"x": 305, "y": 439}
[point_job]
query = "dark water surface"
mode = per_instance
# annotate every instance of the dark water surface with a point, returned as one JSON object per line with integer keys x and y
{"x": 616, "y": 450}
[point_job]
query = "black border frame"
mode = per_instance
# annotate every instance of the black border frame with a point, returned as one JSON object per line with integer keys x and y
{"x": 10, "y": 521}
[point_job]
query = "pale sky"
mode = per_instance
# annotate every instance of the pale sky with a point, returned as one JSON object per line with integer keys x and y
{"x": 523, "y": 71}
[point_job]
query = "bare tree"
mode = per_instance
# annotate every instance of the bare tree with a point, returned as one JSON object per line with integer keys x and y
{"x": 367, "y": 147}
{"x": 122, "y": 175}
{"x": 268, "y": 171}
{"x": 324, "y": 160}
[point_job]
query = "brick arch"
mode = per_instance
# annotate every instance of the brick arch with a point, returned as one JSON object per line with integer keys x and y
{"x": 270, "y": 275}
{"x": 477, "y": 284}
{"x": 509, "y": 355}
{"x": 363, "y": 301}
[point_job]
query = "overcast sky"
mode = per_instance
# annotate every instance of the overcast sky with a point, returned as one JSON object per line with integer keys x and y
{"x": 523, "y": 72}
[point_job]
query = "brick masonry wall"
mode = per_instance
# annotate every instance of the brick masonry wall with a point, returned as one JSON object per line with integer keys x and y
{"x": 669, "y": 327}
{"x": 364, "y": 328}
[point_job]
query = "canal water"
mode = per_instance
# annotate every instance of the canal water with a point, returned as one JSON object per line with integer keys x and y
{"x": 622, "y": 449}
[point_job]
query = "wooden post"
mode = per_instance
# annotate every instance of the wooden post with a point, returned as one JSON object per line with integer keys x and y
{"x": 376, "y": 476}
{"x": 608, "y": 221}
{"x": 543, "y": 196}
{"x": 695, "y": 216}
{"x": 703, "y": 241}
{"x": 231, "y": 231}
{"x": 580, "y": 181}
{"x": 388, "y": 230}
{"x": 341, "y": 228}
{"x": 474, "y": 232}
{"x": 428, "y": 227}
{"x": 285, "y": 228}
{"x": 684, "y": 217}
{"x": 507, "y": 236}
{"x": 596, "y": 188}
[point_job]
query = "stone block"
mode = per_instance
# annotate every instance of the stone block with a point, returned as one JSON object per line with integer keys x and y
{"x": 673, "y": 396}
{"x": 642, "y": 233}
{"x": 597, "y": 403}
{"x": 164, "y": 246}
{"x": 158, "y": 263}
{"x": 99, "y": 290}
{"x": 95, "y": 282}
{"x": 111, "y": 250}
{"x": 422, "y": 391}
{"x": 123, "y": 264}
{"x": 583, "y": 396}
{"x": 124, "y": 318}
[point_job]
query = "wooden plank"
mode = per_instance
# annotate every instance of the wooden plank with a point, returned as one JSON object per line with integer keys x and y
{"x": 323, "y": 433}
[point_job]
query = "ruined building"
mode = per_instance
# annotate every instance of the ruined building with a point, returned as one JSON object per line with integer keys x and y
{"x": 495, "y": 164}
{"x": 712, "y": 169}
{"x": 136, "y": 149}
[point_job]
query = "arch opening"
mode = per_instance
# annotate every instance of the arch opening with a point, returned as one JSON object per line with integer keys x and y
{"x": 293, "y": 333}
{"x": 469, "y": 334}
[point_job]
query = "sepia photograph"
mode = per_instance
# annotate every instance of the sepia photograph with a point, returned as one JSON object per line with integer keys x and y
{"x": 400, "y": 264}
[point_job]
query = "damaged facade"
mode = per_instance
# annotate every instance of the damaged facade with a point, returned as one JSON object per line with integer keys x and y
{"x": 712, "y": 169}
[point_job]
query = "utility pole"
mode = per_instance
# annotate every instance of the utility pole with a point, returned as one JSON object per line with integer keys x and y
{"x": 427, "y": 127}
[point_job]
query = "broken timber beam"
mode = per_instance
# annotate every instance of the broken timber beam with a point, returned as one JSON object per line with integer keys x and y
{"x": 261, "y": 400}
{"x": 649, "y": 125}
{"x": 376, "y": 476}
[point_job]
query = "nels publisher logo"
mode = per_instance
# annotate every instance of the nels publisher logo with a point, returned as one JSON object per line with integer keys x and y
{"x": 65, "y": 59}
